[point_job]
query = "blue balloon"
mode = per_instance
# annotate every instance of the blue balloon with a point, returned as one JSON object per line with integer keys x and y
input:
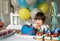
{"x": 41, "y": 1}
{"x": 28, "y": 30}
{"x": 23, "y": 4}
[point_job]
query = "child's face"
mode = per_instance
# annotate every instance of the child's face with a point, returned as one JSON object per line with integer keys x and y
{"x": 39, "y": 22}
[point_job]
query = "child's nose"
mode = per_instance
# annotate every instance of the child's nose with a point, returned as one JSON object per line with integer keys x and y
{"x": 37, "y": 22}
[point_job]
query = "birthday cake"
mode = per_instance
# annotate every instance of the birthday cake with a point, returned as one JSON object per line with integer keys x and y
{"x": 40, "y": 36}
{"x": 47, "y": 37}
{"x": 55, "y": 37}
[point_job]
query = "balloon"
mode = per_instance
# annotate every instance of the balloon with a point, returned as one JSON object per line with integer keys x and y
{"x": 33, "y": 6}
{"x": 41, "y": 1}
{"x": 44, "y": 7}
{"x": 31, "y": 2}
{"x": 24, "y": 13}
{"x": 23, "y": 4}
{"x": 34, "y": 12}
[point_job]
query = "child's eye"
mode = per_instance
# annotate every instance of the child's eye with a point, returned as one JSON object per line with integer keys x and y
{"x": 39, "y": 20}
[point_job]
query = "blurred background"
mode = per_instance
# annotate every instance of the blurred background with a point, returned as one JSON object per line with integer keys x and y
{"x": 6, "y": 8}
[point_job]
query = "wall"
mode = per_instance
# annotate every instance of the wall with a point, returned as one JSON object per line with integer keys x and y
{"x": 4, "y": 10}
{"x": 0, "y": 7}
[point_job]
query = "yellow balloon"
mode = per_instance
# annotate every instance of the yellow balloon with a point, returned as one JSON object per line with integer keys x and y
{"x": 24, "y": 14}
{"x": 44, "y": 8}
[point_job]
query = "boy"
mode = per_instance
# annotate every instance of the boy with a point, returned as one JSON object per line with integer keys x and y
{"x": 39, "y": 22}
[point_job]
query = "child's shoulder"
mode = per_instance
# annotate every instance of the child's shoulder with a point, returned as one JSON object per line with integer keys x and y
{"x": 44, "y": 26}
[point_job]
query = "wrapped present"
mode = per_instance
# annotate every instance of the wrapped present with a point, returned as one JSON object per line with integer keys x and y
{"x": 28, "y": 30}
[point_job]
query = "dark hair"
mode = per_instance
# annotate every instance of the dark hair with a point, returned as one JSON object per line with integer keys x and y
{"x": 41, "y": 16}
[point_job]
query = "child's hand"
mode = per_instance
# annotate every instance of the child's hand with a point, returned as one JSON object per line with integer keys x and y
{"x": 37, "y": 27}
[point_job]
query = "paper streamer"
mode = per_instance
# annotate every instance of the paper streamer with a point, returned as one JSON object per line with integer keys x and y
{"x": 54, "y": 17}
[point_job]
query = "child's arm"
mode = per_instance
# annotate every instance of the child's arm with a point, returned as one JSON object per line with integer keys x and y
{"x": 37, "y": 27}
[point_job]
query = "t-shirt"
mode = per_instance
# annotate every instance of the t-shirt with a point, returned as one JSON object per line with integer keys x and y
{"x": 42, "y": 27}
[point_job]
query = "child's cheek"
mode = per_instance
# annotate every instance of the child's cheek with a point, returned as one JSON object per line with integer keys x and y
{"x": 38, "y": 22}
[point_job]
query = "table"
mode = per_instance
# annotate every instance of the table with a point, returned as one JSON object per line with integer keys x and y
{"x": 16, "y": 37}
